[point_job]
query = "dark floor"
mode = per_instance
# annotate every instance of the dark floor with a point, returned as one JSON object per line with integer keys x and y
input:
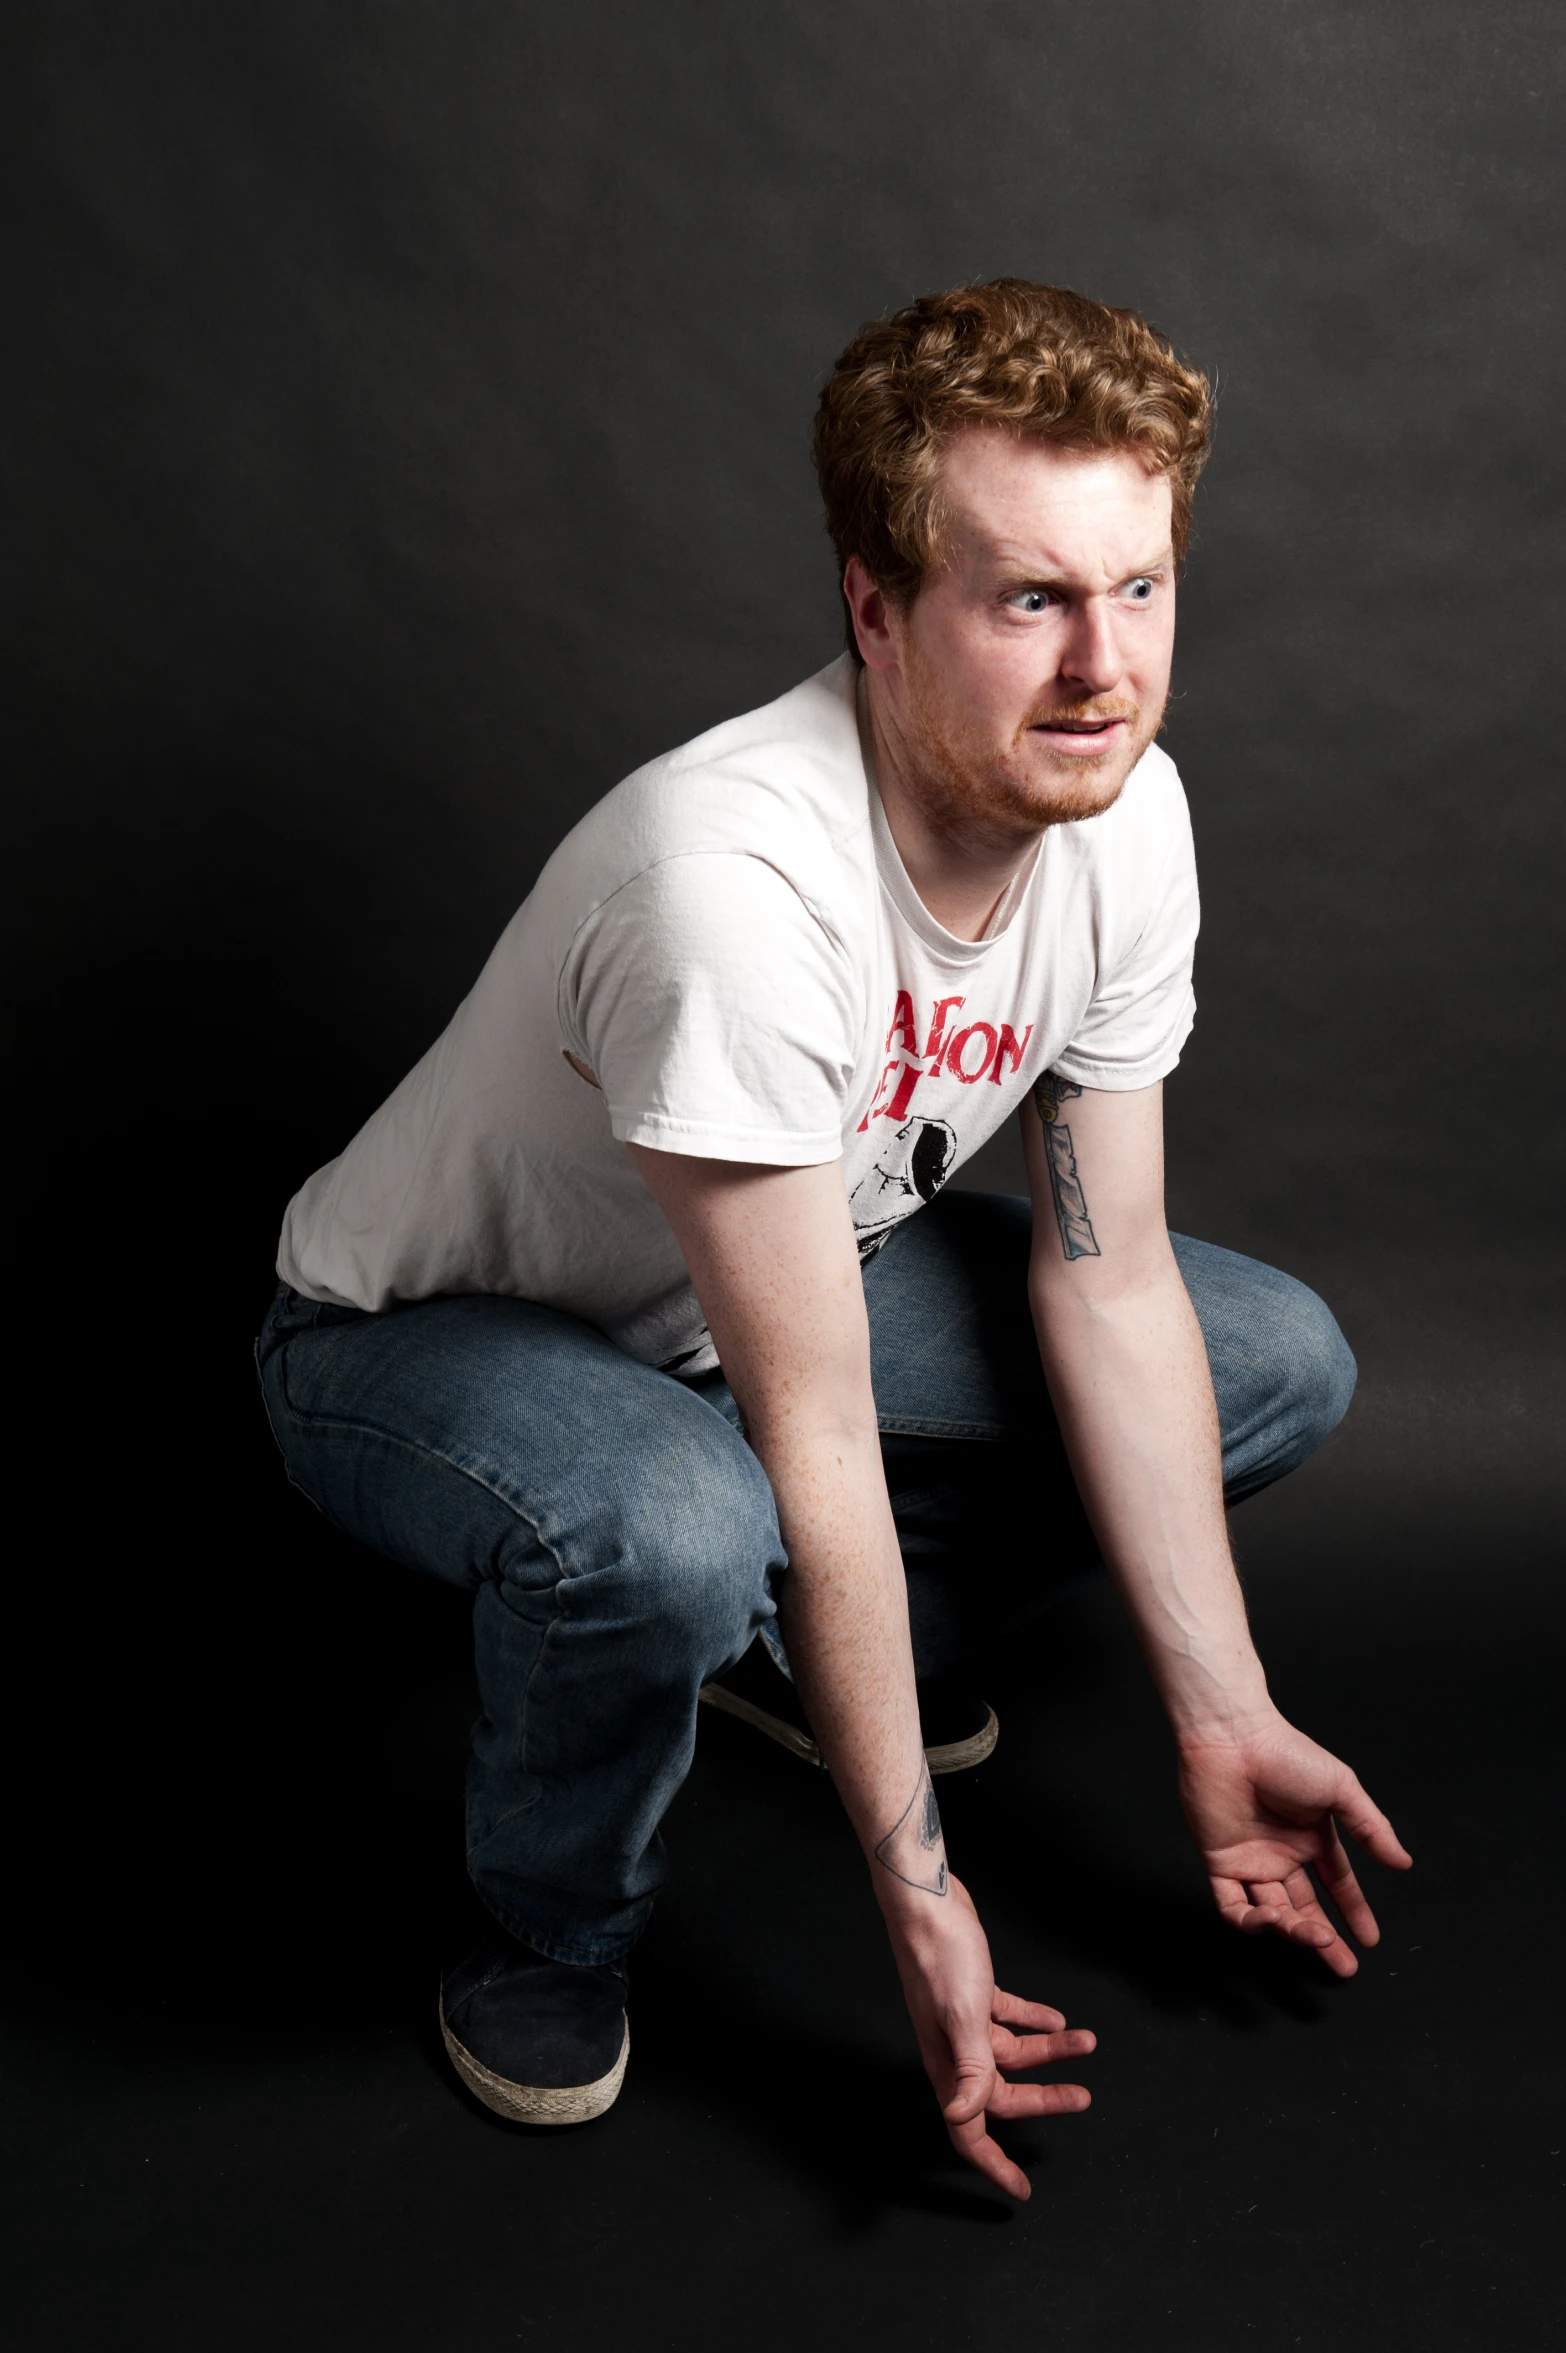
{"x": 233, "y": 2127}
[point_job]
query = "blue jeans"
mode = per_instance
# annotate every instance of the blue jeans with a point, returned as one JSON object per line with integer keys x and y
{"x": 619, "y": 1538}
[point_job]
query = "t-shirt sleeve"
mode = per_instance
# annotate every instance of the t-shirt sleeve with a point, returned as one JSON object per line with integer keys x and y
{"x": 717, "y": 1011}
{"x": 1143, "y": 1006}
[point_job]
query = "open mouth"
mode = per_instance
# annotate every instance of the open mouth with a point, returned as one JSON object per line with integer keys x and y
{"x": 1091, "y": 734}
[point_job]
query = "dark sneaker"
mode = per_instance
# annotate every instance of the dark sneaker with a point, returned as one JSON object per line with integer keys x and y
{"x": 959, "y": 1729}
{"x": 540, "y": 2042}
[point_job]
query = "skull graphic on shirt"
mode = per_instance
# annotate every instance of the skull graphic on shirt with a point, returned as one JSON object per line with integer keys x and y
{"x": 910, "y": 1168}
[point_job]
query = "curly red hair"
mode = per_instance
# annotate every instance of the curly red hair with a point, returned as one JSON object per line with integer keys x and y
{"x": 1034, "y": 360}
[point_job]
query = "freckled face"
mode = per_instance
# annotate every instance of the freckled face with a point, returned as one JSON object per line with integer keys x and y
{"x": 1032, "y": 669}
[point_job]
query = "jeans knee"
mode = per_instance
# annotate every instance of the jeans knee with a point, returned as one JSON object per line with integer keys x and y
{"x": 1283, "y": 1374}
{"x": 1308, "y": 1381}
{"x": 1324, "y": 1370}
{"x": 700, "y": 1553}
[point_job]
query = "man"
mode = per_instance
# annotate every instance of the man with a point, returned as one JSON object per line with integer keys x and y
{"x": 639, "y": 1309}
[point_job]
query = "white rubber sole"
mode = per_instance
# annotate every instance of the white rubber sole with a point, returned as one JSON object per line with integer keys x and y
{"x": 789, "y": 1736}
{"x": 958, "y": 1756}
{"x": 955, "y": 1756}
{"x": 526, "y": 2103}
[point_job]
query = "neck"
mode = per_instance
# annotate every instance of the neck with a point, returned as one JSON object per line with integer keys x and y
{"x": 960, "y": 867}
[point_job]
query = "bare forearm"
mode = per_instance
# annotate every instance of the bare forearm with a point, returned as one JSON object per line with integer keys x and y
{"x": 1128, "y": 1374}
{"x": 771, "y": 1253}
{"x": 845, "y": 1621}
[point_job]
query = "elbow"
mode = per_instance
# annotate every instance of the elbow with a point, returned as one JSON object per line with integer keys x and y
{"x": 1093, "y": 1291}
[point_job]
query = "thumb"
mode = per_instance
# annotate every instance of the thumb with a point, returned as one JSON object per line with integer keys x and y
{"x": 1364, "y": 1821}
{"x": 973, "y": 2072}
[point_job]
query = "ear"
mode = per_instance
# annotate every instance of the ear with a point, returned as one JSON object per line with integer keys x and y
{"x": 877, "y": 621}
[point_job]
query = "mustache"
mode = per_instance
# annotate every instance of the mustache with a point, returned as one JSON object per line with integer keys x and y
{"x": 1088, "y": 711}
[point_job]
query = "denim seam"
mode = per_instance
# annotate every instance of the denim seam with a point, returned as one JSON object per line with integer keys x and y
{"x": 562, "y": 1580}
{"x": 332, "y": 1421}
{"x": 596, "y": 1954}
{"x": 894, "y": 1425}
{"x": 266, "y": 1405}
{"x": 558, "y": 1593}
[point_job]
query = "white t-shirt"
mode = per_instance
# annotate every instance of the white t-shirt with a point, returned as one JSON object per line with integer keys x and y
{"x": 729, "y": 944}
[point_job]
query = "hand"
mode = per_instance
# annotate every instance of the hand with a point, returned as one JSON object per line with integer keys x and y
{"x": 1264, "y": 1803}
{"x": 966, "y": 2029}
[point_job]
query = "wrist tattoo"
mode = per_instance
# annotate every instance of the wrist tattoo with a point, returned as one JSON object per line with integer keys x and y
{"x": 1077, "y": 1238}
{"x": 914, "y": 1849}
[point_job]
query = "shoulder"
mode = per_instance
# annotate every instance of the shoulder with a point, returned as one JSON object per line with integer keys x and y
{"x": 784, "y": 783}
{"x": 811, "y": 731}
{"x": 1144, "y": 832}
{"x": 1153, "y": 801}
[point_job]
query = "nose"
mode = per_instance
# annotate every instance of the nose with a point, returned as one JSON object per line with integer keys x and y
{"x": 1090, "y": 658}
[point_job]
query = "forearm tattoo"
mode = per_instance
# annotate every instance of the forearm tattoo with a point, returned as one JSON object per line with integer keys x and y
{"x": 915, "y": 1851}
{"x": 1071, "y": 1209}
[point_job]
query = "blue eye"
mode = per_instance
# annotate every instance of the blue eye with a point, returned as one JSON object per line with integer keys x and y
{"x": 1139, "y": 590}
{"x": 1031, "y": 600}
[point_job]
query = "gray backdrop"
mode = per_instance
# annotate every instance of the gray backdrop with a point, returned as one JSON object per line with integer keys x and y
{"x": 404, "y": 433}
{"x": 409, "y": 411}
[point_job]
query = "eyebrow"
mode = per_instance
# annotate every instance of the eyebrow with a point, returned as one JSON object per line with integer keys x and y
{"x": 1019, "y": 577}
